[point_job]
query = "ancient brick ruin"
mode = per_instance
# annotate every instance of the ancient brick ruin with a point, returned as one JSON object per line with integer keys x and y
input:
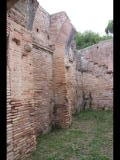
{"x": 47, "y": 78}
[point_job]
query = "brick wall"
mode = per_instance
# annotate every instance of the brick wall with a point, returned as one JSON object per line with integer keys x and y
{"x": 62, "y": 27}
{"x": 42, "y": 55}
{"x": 30, "y": 98}
{"x": 43, "y": 89}
{"x": 20, "y": 134}
{"x": 40, "y": 30}
{"x": 95, "y": 76}
{"x": 9, "y": 120}
{"x": 47, "y": 78}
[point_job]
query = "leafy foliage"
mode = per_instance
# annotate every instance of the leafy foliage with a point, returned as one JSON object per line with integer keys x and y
{"x": 109, "y": 28}
{"x": 88, "y": 38}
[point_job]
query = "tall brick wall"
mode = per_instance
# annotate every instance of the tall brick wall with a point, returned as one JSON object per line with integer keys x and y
{"x": 43, "y": 89}
{"x": 42, "y": 55}
{"x": 72, "y": 84}
{"x": 23, "y": 138}
{"x": 9, "y": 120}
{"x": 56, "y": 22}
{"x": 62, "y": 27}
{"x": 95, "y": 76}
{"x": 9, "y": 113}
{"x": 30, "y": 99}
{"x": 47, "y": 78}
{"x": 40, "y": 30}
{"x": 70, "y": 71}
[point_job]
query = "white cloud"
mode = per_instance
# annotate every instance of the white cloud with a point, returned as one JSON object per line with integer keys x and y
{"x": 84, "y": 14}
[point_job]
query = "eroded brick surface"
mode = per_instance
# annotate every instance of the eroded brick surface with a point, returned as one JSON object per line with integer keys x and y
{"x": 47, "y": 78}
{"x": 95, "y": 65}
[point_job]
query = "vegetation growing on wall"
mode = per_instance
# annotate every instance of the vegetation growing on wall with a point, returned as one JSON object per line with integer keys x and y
{"x": 89, "y": 38}
{"x": 109, "y": 28}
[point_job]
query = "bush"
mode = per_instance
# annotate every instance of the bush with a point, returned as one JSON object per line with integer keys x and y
{"x": 88, "y": 38}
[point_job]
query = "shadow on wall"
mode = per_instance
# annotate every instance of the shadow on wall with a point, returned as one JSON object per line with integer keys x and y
{"x": 85, "y": 101}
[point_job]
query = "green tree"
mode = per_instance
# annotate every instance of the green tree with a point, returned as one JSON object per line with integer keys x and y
{"x": 88, "y": 38}
{"x": 109, "y": 28}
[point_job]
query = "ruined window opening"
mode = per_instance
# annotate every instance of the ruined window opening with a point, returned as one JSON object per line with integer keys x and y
{"x": 17, "y": 41}
{"x": 37, "y": 30}
{"x": 67, "y": 67}
{"x": 48, "y": 37}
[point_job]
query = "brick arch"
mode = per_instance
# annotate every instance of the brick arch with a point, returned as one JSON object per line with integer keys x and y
{"x": 61, "y": 37}
{"x": 66, "y": 36}
{"x": 66, "y": 33}
{"x": 62, "y": 108}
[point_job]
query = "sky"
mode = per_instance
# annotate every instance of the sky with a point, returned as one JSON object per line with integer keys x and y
{"x": 84, "y": 14}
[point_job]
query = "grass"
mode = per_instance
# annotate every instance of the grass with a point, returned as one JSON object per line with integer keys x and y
{"x": 89, "y": 138}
